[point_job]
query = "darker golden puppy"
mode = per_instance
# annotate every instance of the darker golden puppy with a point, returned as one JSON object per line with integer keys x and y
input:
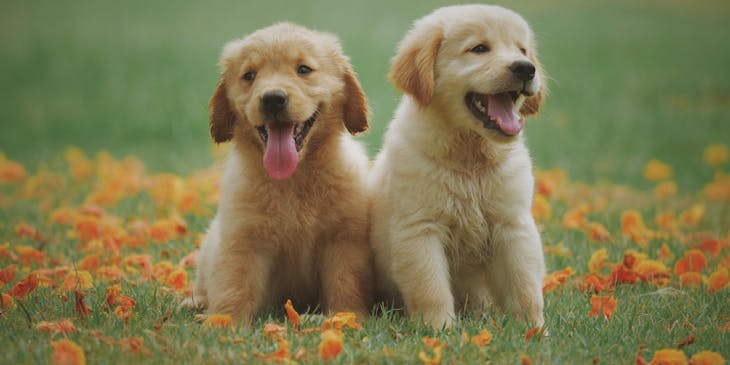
{"x": 292, "y": 219}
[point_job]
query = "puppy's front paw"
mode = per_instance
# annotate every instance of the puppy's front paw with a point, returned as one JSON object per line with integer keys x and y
{"x": 194, "y": 302}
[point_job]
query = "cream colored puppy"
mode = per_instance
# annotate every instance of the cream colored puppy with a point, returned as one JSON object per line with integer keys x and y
{"x": 453, "y": 186}
{"x": 292, "y": 219}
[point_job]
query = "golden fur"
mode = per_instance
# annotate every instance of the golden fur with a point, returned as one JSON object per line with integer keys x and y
{"x": 451, "y": 221}
{"x": 304, "y": 237}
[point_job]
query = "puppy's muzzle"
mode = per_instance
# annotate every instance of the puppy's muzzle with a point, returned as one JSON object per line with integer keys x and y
{"x": 523, "y": 70}
{"x": 274, "y": 101}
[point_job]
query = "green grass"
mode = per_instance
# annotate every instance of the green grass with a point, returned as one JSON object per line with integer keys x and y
{"x": 630, "y": 81}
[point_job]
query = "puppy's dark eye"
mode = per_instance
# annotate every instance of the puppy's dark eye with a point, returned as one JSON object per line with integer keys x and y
{"x": 304, "y": 69}
{"x": 523, "y": 50}
{"x": 249, "y": 76}
{"x": 479, "y": 48}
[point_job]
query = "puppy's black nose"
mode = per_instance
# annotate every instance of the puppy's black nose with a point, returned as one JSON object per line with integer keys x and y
{"x": 274, "y": 101}
{"x": 523, "y": 70}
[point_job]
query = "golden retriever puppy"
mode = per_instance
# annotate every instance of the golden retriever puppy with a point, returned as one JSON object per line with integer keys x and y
{"x": 292, "y": 219}
{"x": 452, "y": 185}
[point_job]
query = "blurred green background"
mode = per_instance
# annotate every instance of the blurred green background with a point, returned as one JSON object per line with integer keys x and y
{"x": 630, "y": 80}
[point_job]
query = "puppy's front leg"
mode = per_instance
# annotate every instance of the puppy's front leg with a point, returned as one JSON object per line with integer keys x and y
{"x": 421, "y": 272}
{"x": 346, "y": 271}
{"x": 238, "y": 282}
{"x": 517, "y": 270}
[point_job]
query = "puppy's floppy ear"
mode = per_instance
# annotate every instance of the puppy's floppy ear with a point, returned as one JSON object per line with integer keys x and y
{"x": 412, "y": 69}
{"x": 356, "y": 105}
{"x": 532, "y": 104}
{"x": 221, "y": 115}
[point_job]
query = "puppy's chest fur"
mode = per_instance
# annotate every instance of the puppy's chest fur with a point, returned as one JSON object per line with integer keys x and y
{"x": 470, "y": 216}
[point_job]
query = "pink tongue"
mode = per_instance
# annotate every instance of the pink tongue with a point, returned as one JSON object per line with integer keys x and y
{"x": 280, "y": 157}
{"x": 501, "y": 109}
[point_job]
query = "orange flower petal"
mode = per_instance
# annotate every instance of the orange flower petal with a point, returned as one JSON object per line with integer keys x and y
{"x": 292, "y": 314}
{"x": 656, "y": 170}
{"x": 273, "y": 329}
{"x": 63, "y": 327}
{"x": 555, "y": 279}
{"x": 595, "y": 264}
{"x": 331, "y": 345}
{"x": 218, "y": 320}
{"x": 340, "y": 320}
{"x": 669, "y": 357}
{"x": 715, "y": 155}
{"x": 605, "y": 305}
{"x": 718, "y": 280}
{"x": 598, "y": 232}
{"x": 7, "y": 274}
{"x": 707, "y": 358}
{"x": 25, "y": 286}
{"x": 67, "y": 352}
{"x": 435, "y": 360}
{"x": 483, "y": 338}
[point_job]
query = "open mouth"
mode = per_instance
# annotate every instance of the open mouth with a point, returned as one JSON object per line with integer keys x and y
{"x": 284, "y": 141}
{"x": 301, "y": 130}
{"x": 496, "y": 111}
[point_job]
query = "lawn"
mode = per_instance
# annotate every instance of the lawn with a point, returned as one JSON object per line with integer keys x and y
{"x": 633, "y": 189}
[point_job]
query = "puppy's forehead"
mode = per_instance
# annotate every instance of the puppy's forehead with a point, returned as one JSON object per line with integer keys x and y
{"x": 283, "y": 42}
{"x": 461, "y": 22}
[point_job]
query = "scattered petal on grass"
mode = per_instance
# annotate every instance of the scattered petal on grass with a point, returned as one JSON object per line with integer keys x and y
{"x": 280, "y": 355}
{"x": 331, "y": 344}
{"x": 63, "y": 327}
{"x": 715, "y": 155}
{"x": 433, "y": 360}
{"x": 292, "y": 314}
{"x": 555, "y": 279}
{"x": 76, "y": 280}
{"x": 524, "y": 359}
{"x": 218, "y": 321}
{"x": 483, "y": 338}
{"x": 11, "y": 172}
{"x": 558, "y": 250}
{"x": 28, "y": 254}
{"x": 656, "y": 170}
{"x": 598, "y": 232}
{"x": 718, "y": 280}
{"x": 605, "y": 305}
{"x": 531, "y": 333}
{"x": 690, "y": 279}
{"x": 595, "y": 264}
{"x": 341, "y": 320}
{"x": 669, "y": 357}
{"x": 541, "y": 210}
{"x": 632, "y": 225}
{"x": 82, "y": 309}
{"x": 693, "y": 260}
{"x": 7, "y": 274}
{"x": 7, "y": 302}
{"x": 178, "y": 280}
{"x": 25, "y": 286}
{"x": 665, "y": 189}
{"x": 692, "y": 216}
{"x": 273, "y": 330}
{"x": 707, "y": 358}
{"x": 67, "y": 352}
{"x": 575, "y": 219}
{"x": 133, "y": 345}
{"x": 431, "y": 342}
